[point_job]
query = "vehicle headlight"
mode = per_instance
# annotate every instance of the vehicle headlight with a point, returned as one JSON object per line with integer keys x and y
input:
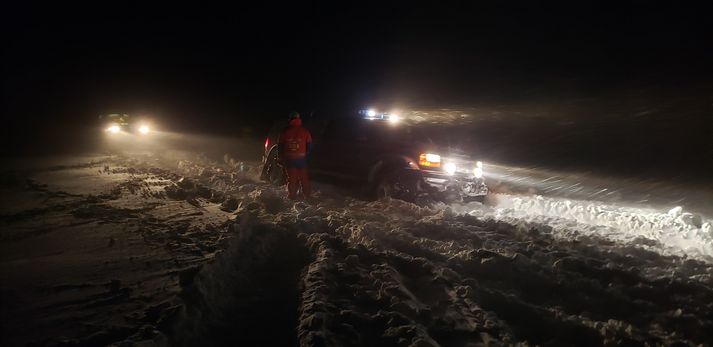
{"x": 144, "y": 129}
{"x": 113, "y": 128}
{"x": 393, "y": 118}
{"x": 429, "y": 160}
{"x": 479, "y": 164}
{"x": 478, "y": 171}
{"x": 450, "y": 168}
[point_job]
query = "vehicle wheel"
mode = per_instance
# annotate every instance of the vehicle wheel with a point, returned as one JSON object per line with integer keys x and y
{"x": 396, "y": 185}
{"x": 275, "y": 173}
{"x": 480, "y": 199}
{"x": 425, "y": 200}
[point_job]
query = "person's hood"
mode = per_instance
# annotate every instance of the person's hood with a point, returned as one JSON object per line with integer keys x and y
{"x": 295, "y": 122}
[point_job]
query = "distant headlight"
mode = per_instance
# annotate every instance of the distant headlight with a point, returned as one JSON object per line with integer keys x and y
{"x": 450, "y": 168}
{"x": 478, "y": 171}
{"x": 479, "y": 164}
{"x": 394, "y": 118}
{"x": 144, "y": 129}
{"x": 113, "y": 128}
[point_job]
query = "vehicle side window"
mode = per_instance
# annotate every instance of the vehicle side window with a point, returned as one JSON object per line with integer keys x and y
{"x": 372, "y": 130}
{"x": 316, "y": 127}
{"x": 339, "y": 130}
{"x": 277, "y": 128}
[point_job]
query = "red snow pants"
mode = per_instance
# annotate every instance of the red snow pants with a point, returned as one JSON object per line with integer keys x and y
{"x": 297, "y": 177}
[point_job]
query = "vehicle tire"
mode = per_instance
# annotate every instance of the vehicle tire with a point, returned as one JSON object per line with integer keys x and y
{"x": 480, "y": 199}
{"x": 274, "y": 172}
{"x": 396, "y": 185}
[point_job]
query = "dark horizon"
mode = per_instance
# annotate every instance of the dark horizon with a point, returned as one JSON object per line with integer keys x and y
{"x": 232, "y": 71}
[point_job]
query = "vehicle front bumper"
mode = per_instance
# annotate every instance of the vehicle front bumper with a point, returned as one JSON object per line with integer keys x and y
{"x": 456, "y": 185}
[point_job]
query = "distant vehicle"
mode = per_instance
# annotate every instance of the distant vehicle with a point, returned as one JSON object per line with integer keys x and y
{"x": 383, "y": 156}
{"x": 116, "y": 123}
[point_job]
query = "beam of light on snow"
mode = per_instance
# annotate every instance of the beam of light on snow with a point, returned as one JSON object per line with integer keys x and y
{"x": 550, "y": 182}
{"x": 159, "y": 143}
{"x": 578, "y": 205}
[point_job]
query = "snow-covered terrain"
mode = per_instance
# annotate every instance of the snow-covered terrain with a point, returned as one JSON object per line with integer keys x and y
{"x": 181, "y": 250}
{"x": 672, "y": 232}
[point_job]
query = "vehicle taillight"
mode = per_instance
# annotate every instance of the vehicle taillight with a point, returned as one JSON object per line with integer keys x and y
{"x": 429, "y": 160}
{"x": 267, "y": 143}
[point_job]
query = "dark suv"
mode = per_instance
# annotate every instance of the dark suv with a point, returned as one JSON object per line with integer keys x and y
{"x": 383, "y": 156}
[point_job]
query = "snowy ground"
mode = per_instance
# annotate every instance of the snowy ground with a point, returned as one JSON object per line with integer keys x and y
{"x": 181, "y": 250}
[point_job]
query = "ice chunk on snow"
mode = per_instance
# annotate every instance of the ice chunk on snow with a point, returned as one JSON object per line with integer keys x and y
{"x": 707, "y": 229}
{"x": 691, "y": 219}
{"x": 676, "y": 211}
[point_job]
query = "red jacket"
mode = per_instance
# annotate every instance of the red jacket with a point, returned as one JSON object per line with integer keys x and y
{"x": 295, "y": 141}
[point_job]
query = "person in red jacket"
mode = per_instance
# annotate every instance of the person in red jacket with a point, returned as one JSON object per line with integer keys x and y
{"x": 293, "y": 146}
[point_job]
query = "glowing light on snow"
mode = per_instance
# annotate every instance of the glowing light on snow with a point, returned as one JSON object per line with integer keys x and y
{"x": 450, "y": 168}
{"x": 668, "y": 233}
{"x": 113, "y": 129}
{"x": 478, "y": 172}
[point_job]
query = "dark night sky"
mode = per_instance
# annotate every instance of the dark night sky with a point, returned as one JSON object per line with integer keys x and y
{"x": 216, "y": 69}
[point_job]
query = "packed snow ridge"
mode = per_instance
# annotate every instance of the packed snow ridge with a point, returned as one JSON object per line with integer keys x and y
{"x": 672, "y": 232}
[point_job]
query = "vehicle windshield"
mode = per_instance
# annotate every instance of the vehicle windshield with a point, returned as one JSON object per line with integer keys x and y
{"x": 385, "y": 131}
{"x": 427, "y": 134}
{"x": 117, "y": 117}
